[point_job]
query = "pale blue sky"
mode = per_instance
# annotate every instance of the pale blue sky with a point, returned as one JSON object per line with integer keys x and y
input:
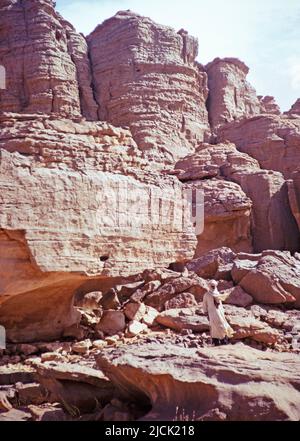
{"x": 265, "y": 34}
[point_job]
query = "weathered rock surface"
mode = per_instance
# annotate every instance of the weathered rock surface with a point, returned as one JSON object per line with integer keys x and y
{"x": 238, "y": 297}
{"x": 295, "y": 109}
{"x": 230, "y": 97}
{"x": 271, "y": 139}
{"x": 293, "y": 186}
{"x": 227, "y": 212}
{"x": 268, "y": 105}
{"x": 193, "y": 284}
{"x": 241, "y": 382}
{"x": 273, "y": 225}
{"x": 78, "y": 388}
{"x": 216, "y": 264}
{"x": 270, "y": 278}
{"x": 112, "y": 322}
{"x": 146, "y": 77}
{"x": 187, "y": 318}
{"x": 87, "y": 173}
{"x": 46, "y": 62}
{"x": 243, "y": 322}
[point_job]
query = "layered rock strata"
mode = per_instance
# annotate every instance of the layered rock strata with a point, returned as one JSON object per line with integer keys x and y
{"x": 215, "y": 383}
{"x": 262, "y": 193}
{"x": 46, "y": 62}
{"x": 231, "y": 97}
{"x": 271, "y": 139}
{"x": 146, "y": 77}
{"x": 77, "y": 202}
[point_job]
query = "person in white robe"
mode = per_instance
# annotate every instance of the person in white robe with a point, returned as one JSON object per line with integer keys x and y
{"x": 220, "y": 330}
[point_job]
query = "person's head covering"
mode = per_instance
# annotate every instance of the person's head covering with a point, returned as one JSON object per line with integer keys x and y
{"x": 214, "y": 292}
{"x": 214, "y": 284}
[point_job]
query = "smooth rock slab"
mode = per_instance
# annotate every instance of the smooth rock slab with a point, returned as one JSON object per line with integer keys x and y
{"x": 243, "y": 383}
{"x": 179, "y": 319}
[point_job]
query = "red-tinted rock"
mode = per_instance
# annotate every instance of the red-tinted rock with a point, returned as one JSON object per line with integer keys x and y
{"x": 270, "y": 278}
{"x": 231, "y": 97}
{"x": 271, "y": 139}
{"x": 217, "y": 264}
{"x": 293, "y": 186}
{"x": 226, "y": 216}
{"x": 59, "y": 227}
{"x": 46, "y": 62}
{"x": 295, "y": 109}
{"x": 242, "y": 382}
{"x": 145, "y": 77}
{"x": 272, "y": 223}
{"x": 268, "y": 105}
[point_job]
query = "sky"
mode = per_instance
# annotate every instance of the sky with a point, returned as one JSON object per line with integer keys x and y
{"x": 265, "y": 34}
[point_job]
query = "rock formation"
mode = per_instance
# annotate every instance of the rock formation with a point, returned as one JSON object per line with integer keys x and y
{"x": 85, "y": 172}
{"x": 271, "y": 139}
{"x": 262, "y": 193}
{"x": 271, "y": 277}
{"x": 103, "y": 262}
{"x": 295, "y": 109}
{"x": 294, "y": 195}
{"x": 230, "y": 97}
{"x": 227, "y": 216}
{"x": 268, "y": 105}
{"x": 214, "y": 383}
{"x": 46, "y": 62}
{"x": 146, "y": 77}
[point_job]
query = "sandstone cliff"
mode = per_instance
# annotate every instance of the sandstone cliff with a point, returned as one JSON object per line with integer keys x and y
{"x": 231, "y": 97}
{"x": 100, "y": 138}
{"x": 146, "y": 77}
{"x": 46, "y": 61}
{"x": 69, "y": 194}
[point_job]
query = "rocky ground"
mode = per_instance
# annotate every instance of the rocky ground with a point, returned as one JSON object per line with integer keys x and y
{"x": 155, "y": 330}
{"x": 102, "y": 272}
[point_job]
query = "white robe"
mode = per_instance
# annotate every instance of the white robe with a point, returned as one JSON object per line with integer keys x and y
{"x": 219, "y": 327}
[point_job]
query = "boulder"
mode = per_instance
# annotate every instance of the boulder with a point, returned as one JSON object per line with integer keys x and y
{"x": 238, "y": 297}
{"x": 245, "y": 384}
{"x": 216, "y": 264}
{"x": 135, "y": 328}
{"x": 82, "y": 347}
{"x": 150, "y": 316}
{"x": 112, "y": 322}
{"x": 181, "y": 301}
{"x": 169, "y": 290}
{"x": 245, "y": 325}
{"x": 110, "y": 300}
{"x": 180, "y": 319}
{"x": 53, "y": 356}
{"x": 89, "y": 301}
{"x": 148, "y": 288}
{"x": 271, "y": 277}
{"x": 135, "y": 311}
